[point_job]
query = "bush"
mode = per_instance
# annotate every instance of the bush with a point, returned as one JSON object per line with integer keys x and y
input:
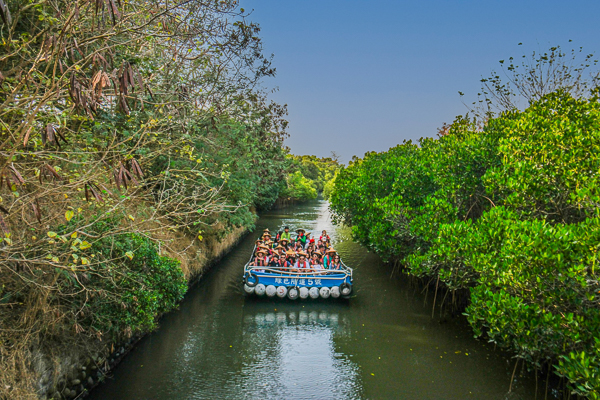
{"x": 508, "y": 212}
{"x": 141, "y": 285}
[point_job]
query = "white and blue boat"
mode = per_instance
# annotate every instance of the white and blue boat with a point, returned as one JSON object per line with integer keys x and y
{"x": 279, "y": 282}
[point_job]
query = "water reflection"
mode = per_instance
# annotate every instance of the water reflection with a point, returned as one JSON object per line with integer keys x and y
{"x": 311, "y": 315}
{"x": 291, "y": 354}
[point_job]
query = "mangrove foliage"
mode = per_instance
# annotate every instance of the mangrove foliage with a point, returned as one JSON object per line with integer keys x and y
{"x": 508, "y": 213}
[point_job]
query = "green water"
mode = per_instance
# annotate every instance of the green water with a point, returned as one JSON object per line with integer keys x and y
{"x": 381, "y": 344}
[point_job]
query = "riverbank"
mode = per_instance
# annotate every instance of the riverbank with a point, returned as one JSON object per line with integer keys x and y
{"x": 64, "y": 372}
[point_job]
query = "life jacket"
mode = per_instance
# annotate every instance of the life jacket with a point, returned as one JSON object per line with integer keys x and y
{"x": 304, "y": 263}
{"x": 261, "y": 262}
{"x": 326, "y": 261}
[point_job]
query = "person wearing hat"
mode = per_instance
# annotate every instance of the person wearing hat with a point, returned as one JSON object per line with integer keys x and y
{"x": 301, "y": 238}
{"x": 286, "y": 234}
{"x": 289, "y": 260}
{"x": 279, "y": 250}
{"x": 328, "y": 257}
{"x": 266, "y": 249}
{"x": 285, "y": 243}
{"x": 302, "y": 265}
{"x": 308, "y": 239}
{"x": 261, "y": 260}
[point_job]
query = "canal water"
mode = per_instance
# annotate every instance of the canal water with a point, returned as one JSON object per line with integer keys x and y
{"x": 381, "y": 344}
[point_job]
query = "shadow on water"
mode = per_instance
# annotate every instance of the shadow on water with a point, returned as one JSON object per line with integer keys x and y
{"x": 381, "y": 344}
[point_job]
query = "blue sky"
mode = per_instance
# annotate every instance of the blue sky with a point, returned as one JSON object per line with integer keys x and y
{"x": 362, "y": 76}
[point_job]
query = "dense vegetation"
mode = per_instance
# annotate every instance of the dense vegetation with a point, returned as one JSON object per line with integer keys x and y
{"x": 122, "y": 124}
{"x": 309, "y": 176}
{"x": 509, "y": 213}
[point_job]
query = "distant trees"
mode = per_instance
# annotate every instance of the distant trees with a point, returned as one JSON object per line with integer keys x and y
{"x": 309, "y": 176}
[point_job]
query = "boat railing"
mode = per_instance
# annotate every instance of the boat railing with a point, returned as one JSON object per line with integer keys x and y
{"x": 310, "y": 272}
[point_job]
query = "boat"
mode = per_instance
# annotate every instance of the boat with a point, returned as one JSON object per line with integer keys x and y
{"x": 279, "y": 282}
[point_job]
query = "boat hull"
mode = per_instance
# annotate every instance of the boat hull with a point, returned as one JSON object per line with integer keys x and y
{"x": 342, "y": 281}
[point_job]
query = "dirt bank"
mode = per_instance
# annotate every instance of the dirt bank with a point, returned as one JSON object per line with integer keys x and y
{"x": 70, "y": 367}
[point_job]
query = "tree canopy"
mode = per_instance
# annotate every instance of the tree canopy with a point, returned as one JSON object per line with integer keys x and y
{"x": 509, "y": 213}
